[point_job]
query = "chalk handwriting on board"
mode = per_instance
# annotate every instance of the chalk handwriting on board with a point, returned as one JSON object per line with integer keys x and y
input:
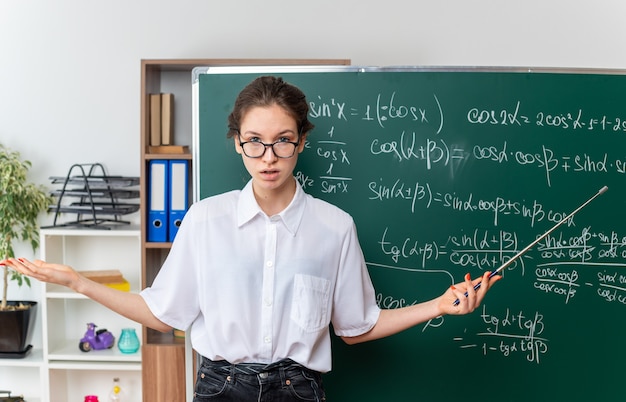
{"x": 414, "y": 193}
{"x": 384, "y": 108}
{"x": 404, "y": 146}
{"x": 577, "y": 120}
{"x": 558, "y": 263}
{"x": 559, "y": 273}
{"x": 510, "y": 334}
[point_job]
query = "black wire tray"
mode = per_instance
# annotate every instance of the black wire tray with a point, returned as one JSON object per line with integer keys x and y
{"x": 93, "y": 196}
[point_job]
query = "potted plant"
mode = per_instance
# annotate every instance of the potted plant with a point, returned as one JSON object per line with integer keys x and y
{"x": 20, "y": 205}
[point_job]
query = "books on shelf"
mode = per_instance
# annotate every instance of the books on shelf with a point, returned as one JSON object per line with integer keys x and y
{"x": 161, "y": 128}
{"x": 110, "y": 277}
{"x": 167, "y": 106}
{"x": 155, "y": 119}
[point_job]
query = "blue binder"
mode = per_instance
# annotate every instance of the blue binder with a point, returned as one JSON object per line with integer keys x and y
{"x": 178, "y": 195}
{"x": 158, "y": 202}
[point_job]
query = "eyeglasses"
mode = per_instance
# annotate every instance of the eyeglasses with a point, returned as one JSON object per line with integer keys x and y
{"x": 281, "y": 148}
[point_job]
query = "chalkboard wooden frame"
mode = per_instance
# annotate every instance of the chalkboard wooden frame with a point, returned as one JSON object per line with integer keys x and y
{"x": 454, "y": 170}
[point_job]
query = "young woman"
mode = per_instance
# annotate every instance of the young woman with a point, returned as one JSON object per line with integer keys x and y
{"x": 258, "y": 274}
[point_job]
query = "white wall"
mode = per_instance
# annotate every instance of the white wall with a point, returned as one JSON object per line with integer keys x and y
{"x": 69, "y": 69}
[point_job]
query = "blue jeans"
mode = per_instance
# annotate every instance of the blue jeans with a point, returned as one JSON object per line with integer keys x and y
{"x": 283, "y": 381}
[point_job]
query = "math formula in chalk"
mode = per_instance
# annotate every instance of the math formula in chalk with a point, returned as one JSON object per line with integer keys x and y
{"x": 561, "y": 266}
{"x": 511, "y": 333}
{"x": 423, "y": 138}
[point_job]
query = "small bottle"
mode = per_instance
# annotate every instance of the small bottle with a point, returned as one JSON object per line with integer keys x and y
{"x": 116, "y": 394}
{"x": 91, "y": 398}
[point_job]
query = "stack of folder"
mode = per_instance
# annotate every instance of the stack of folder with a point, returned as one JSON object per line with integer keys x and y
{"x": 168, "y": 198}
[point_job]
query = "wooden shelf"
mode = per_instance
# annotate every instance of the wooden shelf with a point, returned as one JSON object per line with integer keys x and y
{"x": 158, "y": 245}
{"x": 168, "y": 156}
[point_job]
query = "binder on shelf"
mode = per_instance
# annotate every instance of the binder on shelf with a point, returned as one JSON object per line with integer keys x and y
{"x": 158, "y": 200}
{"x": 178, "y": 195}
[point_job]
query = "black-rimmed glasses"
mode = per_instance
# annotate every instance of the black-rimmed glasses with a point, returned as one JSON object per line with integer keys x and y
{"x": 281, "y": 148}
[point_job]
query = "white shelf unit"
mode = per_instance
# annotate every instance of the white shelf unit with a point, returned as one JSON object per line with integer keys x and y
{"x": 24, "y": 376}
{"x": 56, "y": 370}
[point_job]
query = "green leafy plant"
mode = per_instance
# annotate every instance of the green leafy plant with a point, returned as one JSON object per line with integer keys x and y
{"x": 20, "y": 205}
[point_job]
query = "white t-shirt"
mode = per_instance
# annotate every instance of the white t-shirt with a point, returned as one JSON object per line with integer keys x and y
{"x": 259, "y": 289}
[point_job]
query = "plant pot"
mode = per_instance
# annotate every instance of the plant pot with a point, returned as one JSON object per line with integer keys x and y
{"x": 15, "y": 330}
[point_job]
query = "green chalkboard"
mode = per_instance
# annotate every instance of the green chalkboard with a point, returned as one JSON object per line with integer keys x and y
{"x": 447, "y": 172}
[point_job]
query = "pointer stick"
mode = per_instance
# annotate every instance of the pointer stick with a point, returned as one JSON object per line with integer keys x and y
{"x": 525, "y": 249}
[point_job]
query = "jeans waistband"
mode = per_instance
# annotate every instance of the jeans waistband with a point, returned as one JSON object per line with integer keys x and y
{"x": 255, "y": 374}
{"x": 254, "y": 368}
